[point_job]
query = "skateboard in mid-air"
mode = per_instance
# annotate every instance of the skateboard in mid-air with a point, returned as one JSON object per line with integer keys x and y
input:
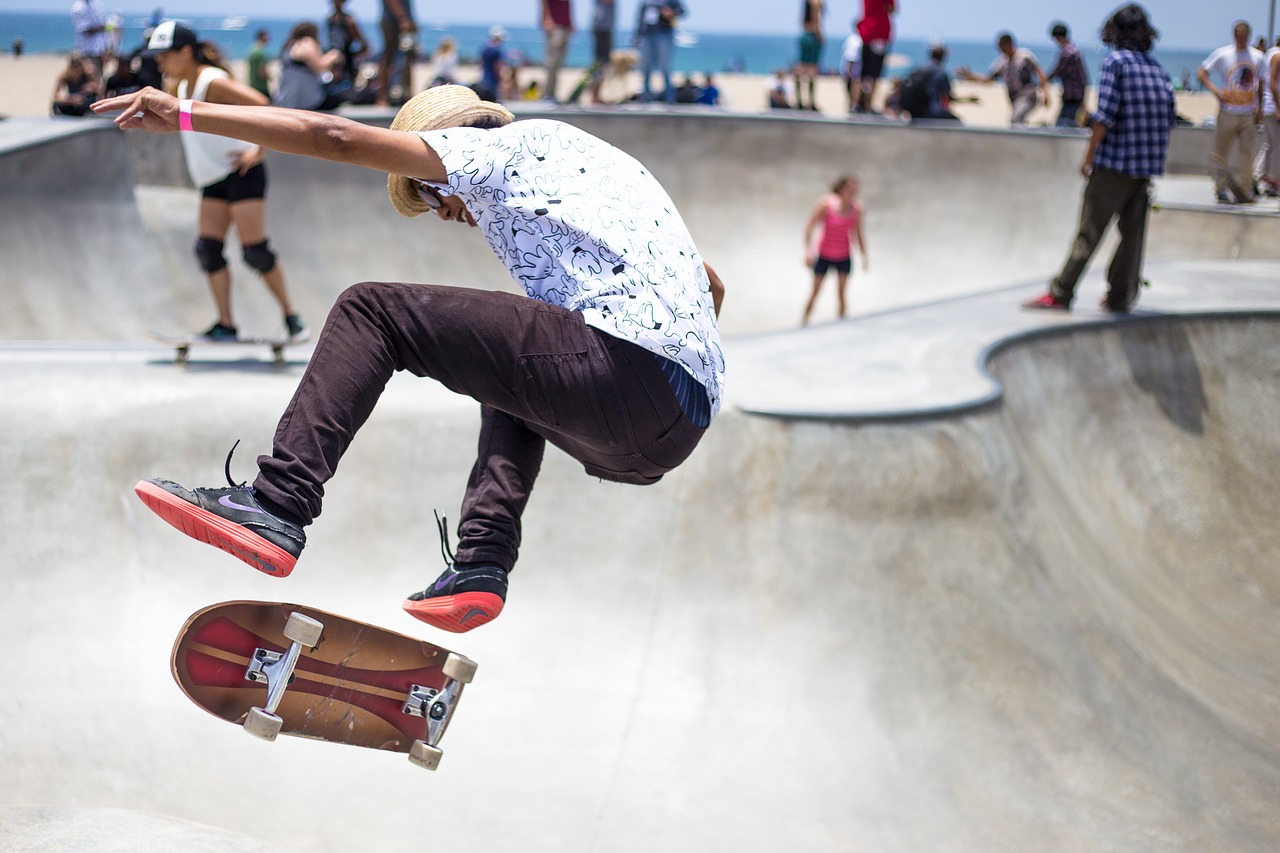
{"x": 277, "y": 668}
{"x": 182, "y": 344}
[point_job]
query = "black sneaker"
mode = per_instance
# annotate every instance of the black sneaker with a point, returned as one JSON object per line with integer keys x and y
{"x": 296, "y": 328}
{"x": 230, "y": 519}
{"x": 462, "y": 598}
{"x": 220, "y": 332}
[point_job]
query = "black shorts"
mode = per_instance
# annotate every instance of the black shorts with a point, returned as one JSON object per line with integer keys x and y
{"x": 872, "y": 63}
{"x": 821, "y": 266}
{"x": 251, "y": 186}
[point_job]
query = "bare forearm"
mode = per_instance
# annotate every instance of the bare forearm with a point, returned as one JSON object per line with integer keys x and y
{"x": 302, "y": 132}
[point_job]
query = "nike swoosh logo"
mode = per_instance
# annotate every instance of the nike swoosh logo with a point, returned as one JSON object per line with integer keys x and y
{"x": 443, "y": 582}
{"x": 226, "y": 501}
{"x": 471, "y": 614}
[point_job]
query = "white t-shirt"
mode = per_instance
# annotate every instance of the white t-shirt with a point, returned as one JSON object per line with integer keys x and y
{"x": 851, "y": 55}
{"x": 1238, "y": 74}
{"x": 583, "y": 225}
{"x": 209, "y": 158}
{"x": 1268, "y": 99}
{"x": 86, "y": 15}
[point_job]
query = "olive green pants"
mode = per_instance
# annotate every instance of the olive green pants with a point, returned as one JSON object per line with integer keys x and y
{"x": 1109, "y": 195}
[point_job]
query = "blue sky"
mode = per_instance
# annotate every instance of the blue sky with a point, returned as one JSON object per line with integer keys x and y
{"x": 1182, "y": 23}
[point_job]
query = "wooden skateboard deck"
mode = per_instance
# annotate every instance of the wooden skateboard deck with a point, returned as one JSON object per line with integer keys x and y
{"x": 182, "y": 344}
{"x": 278, "y": 668}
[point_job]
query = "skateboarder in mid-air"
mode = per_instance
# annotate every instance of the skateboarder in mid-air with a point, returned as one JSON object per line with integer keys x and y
{"x": 615, "y": 358}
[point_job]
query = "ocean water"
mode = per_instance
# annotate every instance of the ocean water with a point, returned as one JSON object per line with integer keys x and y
{"x": 699, "y": 52}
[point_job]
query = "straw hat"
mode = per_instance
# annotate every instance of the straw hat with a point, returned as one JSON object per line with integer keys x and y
{"x": 436, "y": 109}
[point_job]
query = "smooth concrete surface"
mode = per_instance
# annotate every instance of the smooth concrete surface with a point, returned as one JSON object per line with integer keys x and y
{"x": 949, "y": 211}
{"x": 954, "y": 577}
{"x": 54, "y": 829}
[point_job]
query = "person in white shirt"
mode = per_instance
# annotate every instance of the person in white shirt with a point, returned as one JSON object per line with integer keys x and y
{"x": 851, "y": 66}
{"x": 1270, "y": 179}
{"x": 230, "y": 175}
{"x": 612, "y": 355}
{"x": 90, "y": 22}
{"x": 1234, "y": 74}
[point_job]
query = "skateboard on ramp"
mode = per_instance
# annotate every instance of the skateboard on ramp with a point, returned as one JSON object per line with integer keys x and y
{"x": 278, "y": 668}
{"x": 182, "y": 344}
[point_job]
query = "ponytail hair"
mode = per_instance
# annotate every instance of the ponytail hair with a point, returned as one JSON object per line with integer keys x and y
{"x": 208, "y": 53}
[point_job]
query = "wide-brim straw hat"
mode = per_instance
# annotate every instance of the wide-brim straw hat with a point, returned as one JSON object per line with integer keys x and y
{"x": 435, "y": 109}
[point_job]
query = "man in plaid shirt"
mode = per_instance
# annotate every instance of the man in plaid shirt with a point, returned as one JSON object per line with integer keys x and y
{"x": 1128, "y": 145}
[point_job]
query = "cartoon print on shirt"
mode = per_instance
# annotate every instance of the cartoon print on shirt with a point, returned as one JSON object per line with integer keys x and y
{"x": 563, "y": 213}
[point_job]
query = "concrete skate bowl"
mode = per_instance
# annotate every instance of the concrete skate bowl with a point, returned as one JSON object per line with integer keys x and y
{"x": 1047, "y": 625}
{"x": 92, "y": 254}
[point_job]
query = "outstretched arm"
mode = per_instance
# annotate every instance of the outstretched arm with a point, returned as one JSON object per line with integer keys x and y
{"x": 310, "y": 134}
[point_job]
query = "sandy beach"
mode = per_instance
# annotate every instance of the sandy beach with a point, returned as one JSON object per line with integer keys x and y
{"x": 28, "y": 85}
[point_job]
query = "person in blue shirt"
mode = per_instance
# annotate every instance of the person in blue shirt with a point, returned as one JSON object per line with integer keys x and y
{"x": 655, "y": 34}
{"x": 491, "y": 62}
{"x": 1128, "y": 145}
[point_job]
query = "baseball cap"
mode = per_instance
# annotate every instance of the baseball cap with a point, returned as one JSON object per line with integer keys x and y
{"x": 170, "y": 35}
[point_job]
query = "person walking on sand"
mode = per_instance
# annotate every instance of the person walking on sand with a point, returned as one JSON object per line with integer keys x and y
{"x": 875, "y": 28}
{"x": 810, "y": 64}
{"x": 557, "y": 28}
{"x": 1128, "y": 144}
{"x": 1070, "y": 70}
{"x": 840, "y": 216}
{"x": 1235, "y": 75}
{"x": 1023, "y": 77}
{"x": 656, "y": 34}
{"x": 230, "y": 175}
{"x": 612, "y": 354}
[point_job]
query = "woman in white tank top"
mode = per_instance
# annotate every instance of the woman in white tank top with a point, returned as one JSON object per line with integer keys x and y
{"x": 229, "y": 173}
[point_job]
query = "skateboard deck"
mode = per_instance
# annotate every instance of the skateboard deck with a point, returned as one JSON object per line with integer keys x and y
{"x": 277, "y": 668}
{"x": 182, "y": 344}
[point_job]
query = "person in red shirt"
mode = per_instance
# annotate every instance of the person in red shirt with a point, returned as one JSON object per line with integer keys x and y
{"x": 876, "y": 29}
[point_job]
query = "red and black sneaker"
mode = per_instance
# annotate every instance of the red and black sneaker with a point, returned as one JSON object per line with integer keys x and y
{"x": 229, "y": 518}
{"x": 462, "y": 598}
{"x": 1047, "y": 302}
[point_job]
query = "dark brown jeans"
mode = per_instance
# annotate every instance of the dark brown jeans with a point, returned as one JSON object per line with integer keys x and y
{"x": 540, "y": 373}
{"x": 1109, "y": 195}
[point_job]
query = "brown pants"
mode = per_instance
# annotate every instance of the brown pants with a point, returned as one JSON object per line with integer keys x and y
{"x": 1239, "y": 131}
{"x": 1109, "y": 195}
{"x": 540, "y": 373}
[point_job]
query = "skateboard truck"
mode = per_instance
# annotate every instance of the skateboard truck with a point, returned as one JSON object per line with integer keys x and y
{"x": 436, "y": 707}
{"x": 277, "y": 670}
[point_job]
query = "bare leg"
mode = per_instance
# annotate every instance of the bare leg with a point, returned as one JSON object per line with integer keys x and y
{"x": 842, "y": 279}
{"x": 215, "y": 219}
{"x": 250, "y": 218}
{"x": 813, "y": 297}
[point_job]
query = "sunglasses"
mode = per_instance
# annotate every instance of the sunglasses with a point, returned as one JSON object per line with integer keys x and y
{"x": 429, "y": 196}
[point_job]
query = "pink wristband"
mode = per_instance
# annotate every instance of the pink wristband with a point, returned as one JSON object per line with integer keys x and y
{"x": 184, "y": 115}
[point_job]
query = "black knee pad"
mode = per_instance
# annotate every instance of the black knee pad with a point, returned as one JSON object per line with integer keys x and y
{"x": 260, "y": 257}
{"x": 209, "y": 254}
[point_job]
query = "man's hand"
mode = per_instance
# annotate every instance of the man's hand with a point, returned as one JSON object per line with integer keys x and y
{"x": 150, "y": 110}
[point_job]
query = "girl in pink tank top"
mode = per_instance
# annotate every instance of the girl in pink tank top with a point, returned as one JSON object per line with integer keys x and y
{"x": 840, "y": 215}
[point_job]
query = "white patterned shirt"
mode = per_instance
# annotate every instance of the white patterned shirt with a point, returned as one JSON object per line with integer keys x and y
{"x": 583, "y": 225}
